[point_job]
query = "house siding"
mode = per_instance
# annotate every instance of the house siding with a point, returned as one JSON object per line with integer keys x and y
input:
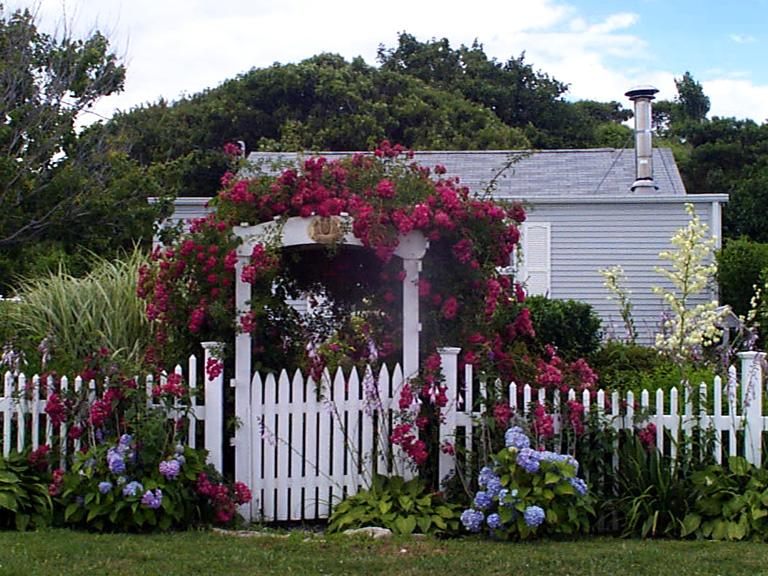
{"x": 588, "y": 237}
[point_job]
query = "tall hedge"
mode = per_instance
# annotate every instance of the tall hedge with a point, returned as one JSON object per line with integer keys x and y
{"x": 739, "y": 265}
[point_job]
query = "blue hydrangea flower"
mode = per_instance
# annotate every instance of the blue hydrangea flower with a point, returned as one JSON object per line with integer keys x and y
{"x": 125, "y": 440}
{"x": 494, "y": 486}
{"x": 152, "y": 500}
{"x": 579, "y": 485}
{"x": 105, "y": 487}
{"x": 170, "y": 469}
{"x": 493, "y": 521}
{"x": 533, "y": 516}
{"x": 472, "y": 519}
{"x": 485, "y": 476}
{"x": 528, "y": 459}
{"x": 483, "y": 500}
{"x": 548, "y": 456}
{"x": 507, "y": 497}
{"x": 179, "y": 449}
{"x": 115, "y": 461}
{"x": 132, "y": 488}
{"x": 516, "y": 438}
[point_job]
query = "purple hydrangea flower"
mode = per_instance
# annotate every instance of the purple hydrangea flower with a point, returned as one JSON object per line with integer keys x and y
{"x": 534, "y": 516}
{"x": 125, "y": 440}
{"x": 152, "y": 500}
{"x": 579, "y": 485}
{"x": 494, "y": 486}
{"x": 115, "y": 461}
{"x": 486, "y": 475}
{"x": 132, "y": 488}
{"x": 493, "y": 521}
{"x": 105, "y": 487}
{"x": 516, "y": 438}
{"x": 528, "y": 459}
{"x": 483, "y": 500}
{"x": 170, "y": 469}
{"x": 471, "y": 519}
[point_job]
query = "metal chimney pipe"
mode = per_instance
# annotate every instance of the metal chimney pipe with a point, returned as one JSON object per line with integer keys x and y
{"x": 642, "y": 96}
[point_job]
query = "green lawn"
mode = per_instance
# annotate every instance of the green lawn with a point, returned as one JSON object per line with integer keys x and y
{"x": 62, "y": 552}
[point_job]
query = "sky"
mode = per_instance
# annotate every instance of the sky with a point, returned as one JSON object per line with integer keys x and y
{"x": 599, "y": 48}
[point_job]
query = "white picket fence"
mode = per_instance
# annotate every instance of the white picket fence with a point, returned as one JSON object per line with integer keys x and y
{"x": 736, "y": 418}
{"x": 313, "y": 443}
{"x": 25, "y": 424}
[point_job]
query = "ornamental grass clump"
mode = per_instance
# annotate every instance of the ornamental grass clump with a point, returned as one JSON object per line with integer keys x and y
{"x": 527, "y": 493}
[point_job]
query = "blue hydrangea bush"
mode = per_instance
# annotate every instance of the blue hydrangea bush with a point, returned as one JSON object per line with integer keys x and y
{"x": 527, "y": 493}
{"x": 114, "y": 486}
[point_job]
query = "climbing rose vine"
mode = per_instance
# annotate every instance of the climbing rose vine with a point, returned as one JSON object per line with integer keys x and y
{"x": 354, "y": 295}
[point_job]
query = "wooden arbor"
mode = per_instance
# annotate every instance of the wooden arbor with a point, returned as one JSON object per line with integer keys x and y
{"x": 315, "y": 230}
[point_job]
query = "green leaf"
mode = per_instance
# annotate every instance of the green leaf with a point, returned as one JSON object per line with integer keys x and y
{"x": 385, "y": 506}
{"x": 691, "y": 523}
{"x": 70, "y": 511}
{"x": 8, "y": 502}
{"x": 736, "y": 530}
{"x": 444, "y": 511}
{"x": 405, "y": 524}
{"x": 551, "y": 478}
{"x": 719, "y": 530}
{"x": 406, "y": 502}
{"x": 738, "y": 465}
{"x": 425, "y": 523}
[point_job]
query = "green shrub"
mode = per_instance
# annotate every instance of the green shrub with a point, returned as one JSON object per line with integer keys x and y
{"x": 573, "y": 327}
{"x": 730, "y": 502}
{"x": 403, "y": 507}
{"x": 622, "y": 366}
{"x": 24, "y": 499}
{"x": 740, "y": 263}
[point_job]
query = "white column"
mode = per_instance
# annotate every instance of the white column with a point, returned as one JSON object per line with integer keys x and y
{"x": 214, "y": 408}
{"x": 752, "y": 404}
{"x": 242, "y": 382}
{"x": 411, "y": 324}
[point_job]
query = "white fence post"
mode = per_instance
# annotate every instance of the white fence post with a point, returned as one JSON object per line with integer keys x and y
{"x": 214, "y": 407}
{"x": 449, "y": 365}
{"x": 752, "y": 404}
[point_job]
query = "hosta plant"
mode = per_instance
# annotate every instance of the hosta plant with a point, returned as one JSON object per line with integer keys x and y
{"x": 24, "y": 499}
{"x": 405, "y": 507}
{"x": 730, "y": 502}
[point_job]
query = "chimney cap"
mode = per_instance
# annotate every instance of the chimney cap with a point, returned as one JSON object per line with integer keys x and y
{"x": 641, "y": 92}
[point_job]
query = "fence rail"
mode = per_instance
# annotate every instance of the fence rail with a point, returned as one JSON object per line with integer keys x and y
{"x": 25, "y": 424}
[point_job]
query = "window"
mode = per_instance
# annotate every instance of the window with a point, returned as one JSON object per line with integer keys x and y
{"x": 532, "y": 266}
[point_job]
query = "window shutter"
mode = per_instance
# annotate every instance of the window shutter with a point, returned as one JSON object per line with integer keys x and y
{"x": 535, "y": 269}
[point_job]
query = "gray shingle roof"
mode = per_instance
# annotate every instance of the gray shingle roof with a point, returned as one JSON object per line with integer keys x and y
{"x": 544, "y": 173}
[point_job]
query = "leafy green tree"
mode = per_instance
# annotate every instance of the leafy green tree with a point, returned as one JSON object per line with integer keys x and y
{"x": 62, "y": 193}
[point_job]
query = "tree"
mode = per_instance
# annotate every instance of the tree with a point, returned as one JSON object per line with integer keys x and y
{"x": 45, "y": 83}
{"x": 62, "y": 193}
{"x": 692, "y": 102}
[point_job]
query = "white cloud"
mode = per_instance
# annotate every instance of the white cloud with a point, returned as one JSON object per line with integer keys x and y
{"x": 739, "y": 98}
{"x": 742, "y": 38}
